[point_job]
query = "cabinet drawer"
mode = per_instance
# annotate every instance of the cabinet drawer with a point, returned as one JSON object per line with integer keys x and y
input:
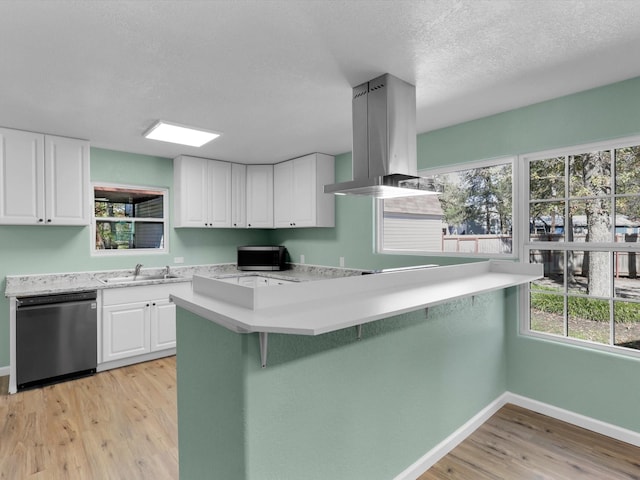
{"x": 129, "y": 294}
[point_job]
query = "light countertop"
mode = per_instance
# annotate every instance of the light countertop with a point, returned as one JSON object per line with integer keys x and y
{"x": 52, "y": 283}
{"x": 325, "y": 306}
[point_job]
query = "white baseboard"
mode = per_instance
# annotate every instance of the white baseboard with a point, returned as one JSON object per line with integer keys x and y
{"x": 123, "y": 362}
{"x": 4, "y": 371}
{"x": 432, "y": 456}
{"x": 598, "y": 426}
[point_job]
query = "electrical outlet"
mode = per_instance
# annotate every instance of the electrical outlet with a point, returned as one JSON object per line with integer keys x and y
{"x": 302, "y": 259}
{"x": 342, "y": 261}
{"x": 178, "y": 259}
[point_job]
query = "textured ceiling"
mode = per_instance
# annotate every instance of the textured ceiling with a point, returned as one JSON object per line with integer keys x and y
{"x": 276, "y": 76}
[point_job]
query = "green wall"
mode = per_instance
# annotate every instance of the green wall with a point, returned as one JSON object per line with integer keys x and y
{"x": 352, "y": 238}
{"x": 597, "y": 384}
{"x": 331, "y": 406}
{"x": 50, "y": 249}
{"x": 573, "y": 378}
{"x": 584, "y": 381}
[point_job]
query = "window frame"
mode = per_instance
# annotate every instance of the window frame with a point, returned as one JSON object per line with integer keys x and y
{"x": 526, "y": 245}
{"x": 486, "y": 163}
{"x": 131, "y": 251}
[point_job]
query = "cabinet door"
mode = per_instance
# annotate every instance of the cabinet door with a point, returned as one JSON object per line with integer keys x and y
{"x": 190, "y": 184}
{"x": 260, "y": 196}
{"x": 303, "y": 184}
{"x": 283, "y": 195}
{"x": 21, "y": 177}
{"x": 125, "y": 330}
{"x": 163, "y": 325}
{"x": 238, "y": 195}
{"x": 66, "y": 181}
{"x": 219, "y": 194}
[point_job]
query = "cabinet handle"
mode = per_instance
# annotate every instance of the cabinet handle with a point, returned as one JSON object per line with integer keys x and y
{"x": 49, "y": 221}
{"x": 147, "y": 304}
{"x": 40, "y": 220}
{"x": 249, "y": 225}
{"x": 154, "y": 304}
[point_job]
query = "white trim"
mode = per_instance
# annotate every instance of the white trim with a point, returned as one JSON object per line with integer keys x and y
{"x": 527, "y": 245}
{"x": 4, "y": 371}
{"x": 134, "y": 251}
{"x": 123, "y": 362}
{"x": 577, "y": 419}
{"x": 513, "y": 160}
{"x": 443, "y": 448}
{"x": 429, "y": 459}
{"x": 583, "y": 148}
{"x": 13, "y": 382}
{"x": 456, "y": 167}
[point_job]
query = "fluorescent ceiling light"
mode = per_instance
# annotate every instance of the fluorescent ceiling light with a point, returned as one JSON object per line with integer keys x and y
{"x": 173, "y": 133}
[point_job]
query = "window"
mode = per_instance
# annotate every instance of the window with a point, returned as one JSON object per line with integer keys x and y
{"x": 582, "y": 218}
{"x": 472, "y": 216}
{"x": 127, "y": 219}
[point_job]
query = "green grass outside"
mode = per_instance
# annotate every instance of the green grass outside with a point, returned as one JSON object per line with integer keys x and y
{"x": 582, "y": 307}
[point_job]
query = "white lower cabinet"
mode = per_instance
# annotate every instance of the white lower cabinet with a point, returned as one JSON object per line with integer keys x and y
{"x": 138, "y": 322}
{"x": 125, "y": 331}
{"x": 163, "y": 325}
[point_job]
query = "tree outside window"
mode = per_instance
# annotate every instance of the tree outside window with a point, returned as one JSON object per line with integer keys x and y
{"x": 472, "y": 215}
{"x": 584, "y": 220}
{"x": 129, "y": 218}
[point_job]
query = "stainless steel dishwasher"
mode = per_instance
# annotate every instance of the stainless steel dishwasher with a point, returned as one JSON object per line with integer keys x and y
{"x": 56, "y": 338}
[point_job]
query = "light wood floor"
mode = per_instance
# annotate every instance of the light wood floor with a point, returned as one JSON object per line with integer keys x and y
{"x": 516, "y": 443}
{"x": 119, "y": 424}
{"x": 122, "y": 424}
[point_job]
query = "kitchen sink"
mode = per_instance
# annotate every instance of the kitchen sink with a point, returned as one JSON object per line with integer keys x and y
{"x": 138, "y": 278}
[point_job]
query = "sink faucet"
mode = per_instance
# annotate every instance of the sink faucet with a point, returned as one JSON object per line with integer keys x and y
{"x": 136, "y": 272}
{"x": 166, "y": 271}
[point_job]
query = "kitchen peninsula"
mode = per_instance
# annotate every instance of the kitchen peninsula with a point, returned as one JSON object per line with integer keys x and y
{"x": 131, "y": 313}
{"x": 321, "y": 386}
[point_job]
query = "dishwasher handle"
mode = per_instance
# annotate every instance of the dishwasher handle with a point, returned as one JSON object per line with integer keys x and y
{"x": 23, "y": 302}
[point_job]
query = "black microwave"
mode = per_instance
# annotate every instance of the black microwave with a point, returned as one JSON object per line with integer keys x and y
{"x": 262, "y": 257}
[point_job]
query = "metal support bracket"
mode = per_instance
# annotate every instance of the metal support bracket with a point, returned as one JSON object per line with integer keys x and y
{"x": 359, "y": 331}
{"x": 264, "y": 337}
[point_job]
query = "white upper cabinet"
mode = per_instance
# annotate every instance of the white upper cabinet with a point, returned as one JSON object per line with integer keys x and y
{"x": 44, "y": 179}
{"x": 299, "y": 198}
{"x": 238, "y": 195}
{"x": 283, "y": 194}
{"x": 211, "y": 193}
{"x": 67, "y": 187}
{"x": 202, "y": 192}
{"x": 190, "y": 192}
{"x": 219, "y": 194}
{"x": 260, "y": 196}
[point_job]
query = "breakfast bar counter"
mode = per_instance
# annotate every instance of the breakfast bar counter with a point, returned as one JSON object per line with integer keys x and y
{"x": 315, "y": 308}
{"x": 406, "y": 362}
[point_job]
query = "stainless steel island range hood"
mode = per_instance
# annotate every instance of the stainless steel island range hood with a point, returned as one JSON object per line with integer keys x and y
{"x": 384, "y": 142}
